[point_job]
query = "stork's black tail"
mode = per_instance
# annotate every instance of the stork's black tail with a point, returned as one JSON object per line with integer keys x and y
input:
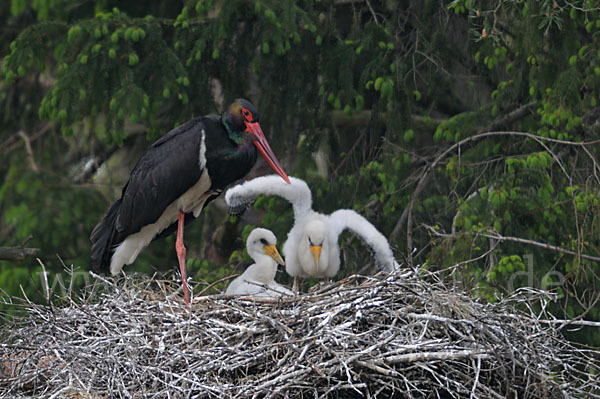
{"x": 102, "y": 237}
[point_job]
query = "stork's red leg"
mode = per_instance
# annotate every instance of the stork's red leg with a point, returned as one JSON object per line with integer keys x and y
{"x": 180, "y": 248}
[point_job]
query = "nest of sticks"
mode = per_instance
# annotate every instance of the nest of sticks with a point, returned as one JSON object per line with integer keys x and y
{"x": 401, "y": 335}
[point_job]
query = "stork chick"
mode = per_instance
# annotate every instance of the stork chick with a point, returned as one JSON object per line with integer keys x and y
{"x": 258, "y": 280}
{"x": 311, "y": 248}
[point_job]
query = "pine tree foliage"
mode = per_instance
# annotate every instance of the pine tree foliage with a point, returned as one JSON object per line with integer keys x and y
{"x": 387, "y": 103}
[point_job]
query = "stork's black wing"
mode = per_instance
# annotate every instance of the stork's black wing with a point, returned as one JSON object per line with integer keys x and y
{"x": 167, "y": 170}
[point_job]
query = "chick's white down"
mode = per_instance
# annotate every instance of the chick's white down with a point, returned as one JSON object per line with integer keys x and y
{"x": 311, "y": 229}
{"x": 258, "y": 280}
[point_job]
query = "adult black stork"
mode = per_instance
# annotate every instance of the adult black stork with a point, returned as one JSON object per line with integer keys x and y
{"x": 175, "y": 178}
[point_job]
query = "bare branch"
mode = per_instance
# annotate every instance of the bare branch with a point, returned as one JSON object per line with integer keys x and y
{"x": 426, "y": 174}
{"x": 539, "y": 244}
{"x": 498, "y": 237}
{"x": 29, "y": 151}
{"x": 17, "y": 254}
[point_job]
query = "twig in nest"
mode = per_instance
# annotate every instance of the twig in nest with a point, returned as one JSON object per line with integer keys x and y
{"x": 384, "y": 336}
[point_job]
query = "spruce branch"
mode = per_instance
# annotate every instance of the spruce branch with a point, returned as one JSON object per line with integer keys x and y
{"x": 426, "y": 174}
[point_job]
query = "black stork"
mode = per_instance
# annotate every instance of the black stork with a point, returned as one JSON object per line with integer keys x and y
{"x": 174, "y": 179}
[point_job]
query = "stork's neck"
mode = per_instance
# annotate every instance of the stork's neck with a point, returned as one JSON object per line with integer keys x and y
{"x": 263, "y": 270}
{"x": 244, "y": 155}
{"x": 235, "y": 135}
{"x": 226, "y": 160}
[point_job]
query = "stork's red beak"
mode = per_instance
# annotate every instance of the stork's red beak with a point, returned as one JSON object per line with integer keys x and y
{"x": 265, "y": 149}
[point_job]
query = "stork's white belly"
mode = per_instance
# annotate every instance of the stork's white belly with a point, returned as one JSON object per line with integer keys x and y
{"x": 191, "y": 201}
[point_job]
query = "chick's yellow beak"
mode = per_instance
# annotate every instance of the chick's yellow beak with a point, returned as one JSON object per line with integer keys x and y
{"x": 316, "y": 252}
{"x": 271, "y": 250}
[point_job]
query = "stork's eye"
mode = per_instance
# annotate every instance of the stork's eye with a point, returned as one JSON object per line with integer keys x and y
{"x": 247, "y": 114}
{"x": 263, "y": 241}
{"x": 310, "y": 242}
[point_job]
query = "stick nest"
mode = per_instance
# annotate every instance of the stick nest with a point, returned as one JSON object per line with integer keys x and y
{"x": 384, "y": 336}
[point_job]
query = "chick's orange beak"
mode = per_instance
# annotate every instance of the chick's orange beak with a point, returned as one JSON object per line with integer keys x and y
{"x": 272, "y": 251}
{"x": 316, "y": 252}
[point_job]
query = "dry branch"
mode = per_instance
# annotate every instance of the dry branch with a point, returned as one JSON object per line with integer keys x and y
{"x": 426, "y": 174}
{"x": 384, "y": 336}
{"x": 17, "y": 254}
{"x": 498, "y": 237}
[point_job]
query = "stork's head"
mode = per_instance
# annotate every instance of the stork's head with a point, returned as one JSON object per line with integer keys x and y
{"x": 262, "y": 242}
{"x": 315, "y": 235}
{"x": 239, "y": 113}
{"x": 241, "y": 120}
